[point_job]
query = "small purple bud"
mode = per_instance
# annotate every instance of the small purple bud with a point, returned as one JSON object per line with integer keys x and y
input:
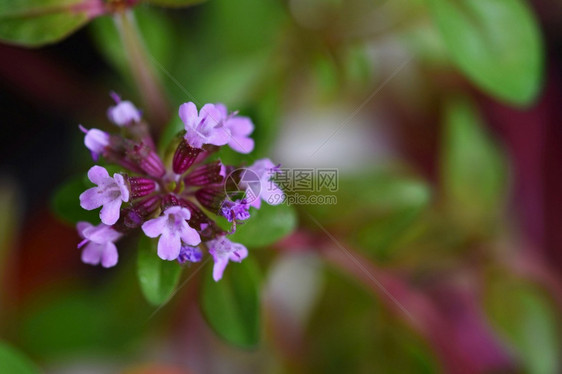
{"x": 124, "y": 113}
{"x": 96, "y": 141}
{"x": 238, "y": 210}
{"x": 203, "y": 175}
{"x": 190, "y": 254}
{"x": 184, "y": 157}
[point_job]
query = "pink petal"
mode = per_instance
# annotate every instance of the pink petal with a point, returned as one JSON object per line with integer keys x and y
{"x": 81, "y": 227}
{"x": 92, "y": 253}
{"x": 109, "y": 255}
{"x": 120, "y": 181}
{"x": 169, "y": 246}
{"x": 155, "y": 226}
{"x": 219, "y": 136}
{"x": 188, "y": 114}
{"x": 272, "y": 194}
{"x": 91, "y": 199}
{"x": 240, "y": 126}
{"x": 190, "y": 236}
{"x": 218, "y": 268}
{"x": 241, "y": 144}
{"x": 239, "y": 252}
{"x": 97, "y": 174}
{"x": 109, "y": 214}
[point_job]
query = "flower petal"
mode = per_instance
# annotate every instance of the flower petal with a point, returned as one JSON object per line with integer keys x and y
{"x": 155, "y": 226}
{"x": 169, "y": 246}
{"x": 190, "y": 236}
{"x": 92, "y": 253}
{"x": 97, "y": 174}
{"x": 91, "y": 199}
{"x": 218, "y": 268}
{"x": 240, "y": 126}
{"x": 239, "y": 252}
{"x": 241, "y": 144}
{"x": 109, "y": 214}
{"x": 81, "y": 227}
{"x": 188, "y": 114}
{"x": 109, "y": 255}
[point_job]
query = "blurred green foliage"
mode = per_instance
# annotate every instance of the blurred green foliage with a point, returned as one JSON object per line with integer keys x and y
{"x": 14, "y": 362}
{"x": 232, "y": 306}
{"x": 496, "y": 43}
{"x": 157, "y": 278}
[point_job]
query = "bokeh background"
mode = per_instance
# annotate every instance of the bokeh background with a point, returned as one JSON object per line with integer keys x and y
{"x": 442, "y": 254}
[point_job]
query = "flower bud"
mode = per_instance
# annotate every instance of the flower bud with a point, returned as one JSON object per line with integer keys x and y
{"x": 184, "y": 157}
{"x": 203, "y": 175}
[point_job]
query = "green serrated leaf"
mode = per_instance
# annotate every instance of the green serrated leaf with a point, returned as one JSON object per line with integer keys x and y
{"x": 33, "y": 23}
{"x": 232, "y": 305}
{"x": 65, "y": 203}
{"x": 266, "y": 225}
{"x": 158, "y": 278}
{"x": 474, "y": 170}
{"x": 496, "y": 43}
{"x": 14, "y": 362}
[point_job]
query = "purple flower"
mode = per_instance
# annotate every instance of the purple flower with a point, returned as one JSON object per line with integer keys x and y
{"x": 240, "y": 128}
{"x": 205, "y": 127}
{"x": 95, "y": 140}
{"x": 110, "y": 192}
{"x": 172, "y": 228}
{"x": 256, "y": 180}
{"x": 98, "y": 244}
{"x": 123, "y": 113}
{"x": 189, "y": 253}
{"x": 237, "y": 210}
{"x": 222, "y": 251}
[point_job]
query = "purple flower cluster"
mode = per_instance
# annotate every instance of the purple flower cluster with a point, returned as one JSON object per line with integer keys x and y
{"x": 175, "y": 200}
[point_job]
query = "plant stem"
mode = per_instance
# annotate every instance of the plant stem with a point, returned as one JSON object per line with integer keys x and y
{"x": 148, "y": 84}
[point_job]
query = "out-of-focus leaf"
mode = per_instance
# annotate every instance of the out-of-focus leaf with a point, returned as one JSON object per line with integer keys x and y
{"x": 474, "y": 171}
{"x": 14, "y": 362}
{"x": 65, "y": 203}
{"x": 158, "y": 278}
{"x": 496, "y": 43}
{"x": 350, "y": 333}
{"x": 528, "y": 321}
{"x": 33, "y": 23}
{"x": 174, "y": 3}
{"x": 372, "y": 195}
{"x": 69, "y": 323}
{"x": 266, "y": 225}
{"x": 232, "y": 305}
{"x": 156, "y": 31}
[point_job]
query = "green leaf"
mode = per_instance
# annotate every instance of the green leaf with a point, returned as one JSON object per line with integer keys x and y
{"x": 65, "y": 203}
{"x": 474, "y": 170}
{"x": 496, "y": 43}
{"x": 373, "y": 194}
{"x": 34, "y": 23}
{"x": 14, "y": 362}
{"x": 174, "y": 3}
{"x": 528, "y": 322}
{"x": 232, "y": 305}
{"x": 158, "y": 278}
{"x": 266, "y": 225}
